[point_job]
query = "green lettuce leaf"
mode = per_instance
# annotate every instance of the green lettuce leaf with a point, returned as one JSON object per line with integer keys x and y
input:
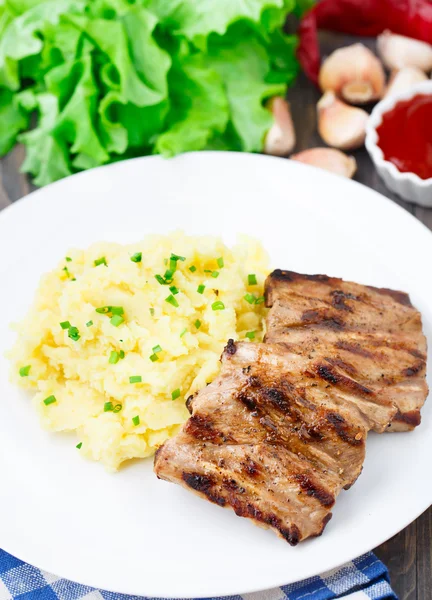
{"x": 103, "y": 80}
{"x": 74, "y": 86}
{"x": 12, "y": 120}
{"x": 199, "y": 107}
{"x": 248, "y": 92}
{"x": 20, "y": 40}
{"x": 198, "y": 18}
{"x": 138, "y": 67}
{"x": 47, "y": 156}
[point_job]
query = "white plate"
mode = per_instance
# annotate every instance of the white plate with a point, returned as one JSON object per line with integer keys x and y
{"x": 130, "y": 532}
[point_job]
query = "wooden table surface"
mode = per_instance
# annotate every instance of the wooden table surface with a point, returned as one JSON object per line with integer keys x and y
{"x": 408, "y": 555}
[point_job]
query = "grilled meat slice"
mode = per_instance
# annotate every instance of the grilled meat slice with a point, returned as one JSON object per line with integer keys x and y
{"x": 361, "y": 336}
{"x": 268, "y": 440}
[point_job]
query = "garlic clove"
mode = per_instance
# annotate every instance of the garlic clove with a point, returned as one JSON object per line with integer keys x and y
{"x": 329, "y": 159}
{"x": 355, "y": 73}
{"x": 404, "y": 80}
{"x": 398, "y": 51}
{"x": 280, "y": 139}
{"x": 340, "y": 125}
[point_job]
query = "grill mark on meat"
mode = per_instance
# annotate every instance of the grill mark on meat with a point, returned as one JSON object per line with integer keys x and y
{"x": 400, "y": 297}
{"x": 251, "y": 468}
{"x": 248, "y": 401}
{"x": 281, "y": 275}
{"x": 339, "y": 300}
{"x": 340, "y": 426}
{"x": 314, "y": 490}
{"x": 335, "y": 378}
{"x": 329, "y": 321}
{"x": 231, "y": 347}
{"x": 203, "y": 484}
{"x": 232, "y": 486}
{"x": 417, "y": 354}
{"x": 202, "y": 428}
{"x": 414, "y": 369}
{"x": 324, "y": 522}
{"x": 354, "y": 348}
{"x": 338, "y": 362}
{"x": 291, "y": 535}
{"x": 278, "y": 399}
{"x": 411, "y": 418}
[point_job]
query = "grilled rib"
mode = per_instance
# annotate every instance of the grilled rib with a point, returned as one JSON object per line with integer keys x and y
{"x": 371, "y": 335}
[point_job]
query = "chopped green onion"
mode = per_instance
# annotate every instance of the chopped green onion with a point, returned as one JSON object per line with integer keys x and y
{"x": 135, "y": 379}
{"x": 68, "y": 259}
{"x": 122, "y": 353}
{"x": 157, "y": 349}
{"x": 116, "y": 320}
{"x": 24, "y": 371}
{"x": 117, "y": 408}
{"x": 100, "y": 261}
{"x": 174, "y": 290}
{"x": 250, "y": 298}
{"x": 50, "y": 400}
{"x": 154, "y": 357}
{"x": 79, "y": 446}
{"x": 218, "y": 305}
{"x": 250, "y": 335}
{"x": 169, "y": 274}
{"x": 260, "y": 300}
{"x": 89, "y": 323}
{"x": 116, "y": 310}
{"x": 176, "y": 257}
{"x": 252, "y": 280}
{"x": 183, "y": 332}
{"x": 215, "y": 274}
{"x": 165, "y": 261}
{"x": 73, "y": 333}
{"x": 175, "y": 394}
{"x": 66, "y": 270}
{"x": 220, "y": 262}
{"x": 197, "y": 323}
{"x": 160, "y": 279}
{"x": 207, "y": 270}
{"x": 65, "y": 325}
{"x": 151, "y": 311}
{"x": 108, "y": 406}
{"x": 136, "y": 420}
{"x": 172, "y": 300}
{"x": 103, "y": 310}
{"x": 114, "y": 358}
{"x": 201, "y": 289}
{"x": 137, "y": 257}
{"x": 192, "y": 268}
{"x": 73, "y": 279}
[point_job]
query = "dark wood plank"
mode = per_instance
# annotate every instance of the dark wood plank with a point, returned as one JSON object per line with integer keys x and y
{"x": 16, "y": 184}
{"x": 424, "y": 556}
{"x": 400, "y": 556}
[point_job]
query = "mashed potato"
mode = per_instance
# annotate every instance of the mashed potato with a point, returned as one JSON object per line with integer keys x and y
{"x": 119, "y": 336}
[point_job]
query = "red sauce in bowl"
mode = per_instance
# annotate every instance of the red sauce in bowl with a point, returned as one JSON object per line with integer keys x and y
{"x": 405, "y": 135}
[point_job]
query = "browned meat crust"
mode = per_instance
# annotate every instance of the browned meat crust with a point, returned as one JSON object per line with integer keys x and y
{"x": 373, "y": 335}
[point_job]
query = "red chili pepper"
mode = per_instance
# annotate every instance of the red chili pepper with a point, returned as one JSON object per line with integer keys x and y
{"x": 412, "y": 18}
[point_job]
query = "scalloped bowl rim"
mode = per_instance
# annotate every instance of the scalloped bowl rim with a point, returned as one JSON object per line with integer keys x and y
{"x": 375, "y": 119}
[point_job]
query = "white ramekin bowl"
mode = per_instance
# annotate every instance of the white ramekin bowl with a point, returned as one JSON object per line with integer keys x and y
{"x": 407, "y": 185}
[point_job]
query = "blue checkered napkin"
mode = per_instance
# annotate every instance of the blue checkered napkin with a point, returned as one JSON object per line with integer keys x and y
{"x": 363, "y": 578}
